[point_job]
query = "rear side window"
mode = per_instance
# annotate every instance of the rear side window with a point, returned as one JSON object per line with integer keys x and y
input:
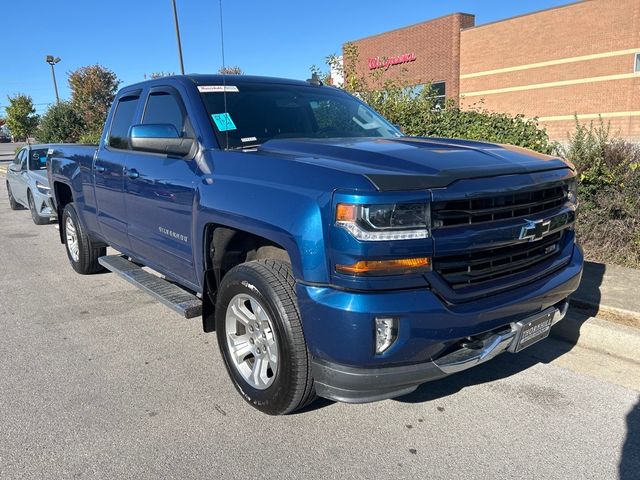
{"x": 166, "y": 108}
{"x": 122, "y": 120}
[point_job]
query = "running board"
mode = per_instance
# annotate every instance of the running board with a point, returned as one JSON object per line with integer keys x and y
{"x": 174, "y": 297}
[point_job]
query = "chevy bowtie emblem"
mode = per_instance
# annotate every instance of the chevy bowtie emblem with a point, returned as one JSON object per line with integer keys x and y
{"x": 534, "y": 230}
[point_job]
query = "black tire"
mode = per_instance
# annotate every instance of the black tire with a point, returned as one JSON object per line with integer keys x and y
{"x": 12, "y": 201}
{"x": 272, "y": 284}
{"x": 37, "y": 219}
{"x": 88, "y": 254}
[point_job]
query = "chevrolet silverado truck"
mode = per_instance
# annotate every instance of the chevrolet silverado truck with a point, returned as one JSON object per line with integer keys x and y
{"x": 332, "y": 255}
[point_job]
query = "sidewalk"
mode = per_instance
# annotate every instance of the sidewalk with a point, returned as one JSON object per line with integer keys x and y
{"x": 612, "y": 294}
{"x": 610, "y": 290}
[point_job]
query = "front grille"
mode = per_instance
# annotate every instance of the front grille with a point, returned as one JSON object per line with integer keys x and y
{"x": 500, "y": 207}
{"x": 468, "y": 269}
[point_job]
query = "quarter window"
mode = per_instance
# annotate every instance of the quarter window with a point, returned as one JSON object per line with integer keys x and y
{"x": 637, "y": 70}
{"x": 122, "y": 120}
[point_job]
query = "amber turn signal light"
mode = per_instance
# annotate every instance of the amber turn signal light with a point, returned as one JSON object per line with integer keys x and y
{"x": 345, "y": 212}
{"x": 386, "y": 267}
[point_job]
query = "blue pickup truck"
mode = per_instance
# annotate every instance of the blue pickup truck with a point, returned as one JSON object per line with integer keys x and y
{"x": 332, "y": 255}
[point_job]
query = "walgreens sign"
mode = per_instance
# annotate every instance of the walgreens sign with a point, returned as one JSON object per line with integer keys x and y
{"x": 386, "y": 62}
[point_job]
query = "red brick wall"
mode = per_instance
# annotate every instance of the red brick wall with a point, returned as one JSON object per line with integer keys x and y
{"x": 586, "y": 28}
{"x": 436, "y": 44}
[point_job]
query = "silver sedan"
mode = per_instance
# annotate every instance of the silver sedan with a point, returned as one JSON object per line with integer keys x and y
{"x": 28, "y": 185}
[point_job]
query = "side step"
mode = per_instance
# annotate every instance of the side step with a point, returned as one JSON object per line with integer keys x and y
{"x": 174, "y": 297}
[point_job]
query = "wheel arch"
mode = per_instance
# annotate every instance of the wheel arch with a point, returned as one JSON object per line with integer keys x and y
{"x": 224, "y": 248}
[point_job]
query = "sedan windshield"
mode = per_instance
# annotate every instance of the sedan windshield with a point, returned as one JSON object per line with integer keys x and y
{"x": 252, "y": 114}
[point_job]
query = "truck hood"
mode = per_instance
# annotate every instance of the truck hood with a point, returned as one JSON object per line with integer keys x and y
{"x": 413, "y": 163}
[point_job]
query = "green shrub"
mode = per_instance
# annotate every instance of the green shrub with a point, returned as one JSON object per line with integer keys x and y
{"x": 419, "y": 113}
{"x": 608, "y": 225}
{"x": 60, "y": 124}
{"x": 92, "y": 138}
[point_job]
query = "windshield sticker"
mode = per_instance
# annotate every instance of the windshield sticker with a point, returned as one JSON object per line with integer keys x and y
{"x": 223, "y": 121}
{"x": 248, "y": 139}
{"x": 218, "y": 88}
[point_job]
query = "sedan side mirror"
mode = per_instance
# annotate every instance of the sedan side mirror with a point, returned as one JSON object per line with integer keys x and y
{"x": 159, "y": 138}
{"x": 14, "y": 167}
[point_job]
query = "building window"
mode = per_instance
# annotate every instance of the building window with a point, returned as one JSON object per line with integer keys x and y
{"x": 438, "y": 93}
{"x": 637, "y": 70}
{"x": 438, "y": 90}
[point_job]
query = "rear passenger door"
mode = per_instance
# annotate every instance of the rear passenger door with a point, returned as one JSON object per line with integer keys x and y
{"x": 160, "y": 192}
{"x": 109, "y": 170}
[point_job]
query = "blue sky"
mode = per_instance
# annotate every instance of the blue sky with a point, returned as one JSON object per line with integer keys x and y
{"x": 278, "y": 37}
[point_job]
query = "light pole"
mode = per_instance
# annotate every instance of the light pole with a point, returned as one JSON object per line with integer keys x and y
{"x": 175, "y": 19}
{"x": 51, "y": 60}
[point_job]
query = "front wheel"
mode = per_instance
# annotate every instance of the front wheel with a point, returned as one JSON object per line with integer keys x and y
{"x": 261, "y": 339}
{"x": 37, "y": 219}
{"x": 82, "y": 254}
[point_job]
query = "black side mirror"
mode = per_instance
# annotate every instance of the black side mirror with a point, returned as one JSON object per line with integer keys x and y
{"x": 159, "y": 138}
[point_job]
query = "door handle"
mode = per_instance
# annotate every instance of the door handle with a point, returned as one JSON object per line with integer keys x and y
{"x": 100, "y": 169}
{"x": 133, "y": 174}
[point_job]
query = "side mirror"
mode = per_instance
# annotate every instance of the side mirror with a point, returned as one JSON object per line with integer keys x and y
{"x": 159, "y": 138}
{"x": 15, "y": 167}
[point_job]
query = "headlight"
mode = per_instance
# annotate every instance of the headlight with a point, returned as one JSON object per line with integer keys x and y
{"x": 400, "y": 221}
{"x": 572, "y": 191}
{"x": 42, "y": 188}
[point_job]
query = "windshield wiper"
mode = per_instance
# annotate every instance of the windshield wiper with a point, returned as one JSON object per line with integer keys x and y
{"x": 246, "y": 147}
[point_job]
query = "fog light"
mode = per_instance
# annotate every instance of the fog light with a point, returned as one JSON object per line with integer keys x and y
{"x": 386, "y": 333}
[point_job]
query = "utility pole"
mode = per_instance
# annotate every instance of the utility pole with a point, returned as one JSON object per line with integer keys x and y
{"x": 51, "y": 60}
{"x": 175, "y": 19}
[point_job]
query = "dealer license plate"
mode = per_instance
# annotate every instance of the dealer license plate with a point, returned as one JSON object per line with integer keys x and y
{"x": 533, "y": 330}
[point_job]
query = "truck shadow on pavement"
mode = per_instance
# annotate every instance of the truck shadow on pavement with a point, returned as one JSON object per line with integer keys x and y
{"x": 630, "y": 460}
{"x": 503, "y": 366}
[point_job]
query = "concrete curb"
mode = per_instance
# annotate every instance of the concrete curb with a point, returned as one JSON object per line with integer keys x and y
{"x": 602, "y": 335}
{"x": 607, "y": 309}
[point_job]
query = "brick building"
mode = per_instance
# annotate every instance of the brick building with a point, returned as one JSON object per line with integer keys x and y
{"x": 582, "y": 58}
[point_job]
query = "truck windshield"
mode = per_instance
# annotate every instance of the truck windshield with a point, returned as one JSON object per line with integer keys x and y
{"x": 254, "y": 114}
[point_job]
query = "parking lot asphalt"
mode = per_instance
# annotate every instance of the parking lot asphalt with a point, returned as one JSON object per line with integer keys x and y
{"x": 97, "y": 380}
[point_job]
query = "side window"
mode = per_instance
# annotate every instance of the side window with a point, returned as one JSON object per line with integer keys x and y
{"x": 166, "y": 108}
{"x": 122, "y": 120}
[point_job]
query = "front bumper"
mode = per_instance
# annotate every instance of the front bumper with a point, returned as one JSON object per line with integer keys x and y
{"x": 340, "y": 337}
{"x": 361, "y": 385}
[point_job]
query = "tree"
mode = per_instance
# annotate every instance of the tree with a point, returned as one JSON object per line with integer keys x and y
{"x": 233, "y": 70}
{"x": 93, "y": 89}
{"x": 21, "y": 118}
{"x": 60, "y": 124}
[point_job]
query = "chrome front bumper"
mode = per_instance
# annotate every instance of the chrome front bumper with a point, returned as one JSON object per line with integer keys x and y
{"x": 487, "y": 348}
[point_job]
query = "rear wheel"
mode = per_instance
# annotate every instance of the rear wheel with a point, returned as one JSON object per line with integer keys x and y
{"x": 37, "y": 219}
{"x": 12, "y": 201}
{"x": 261, "y": 339}
{"x": 82, "y": 254}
